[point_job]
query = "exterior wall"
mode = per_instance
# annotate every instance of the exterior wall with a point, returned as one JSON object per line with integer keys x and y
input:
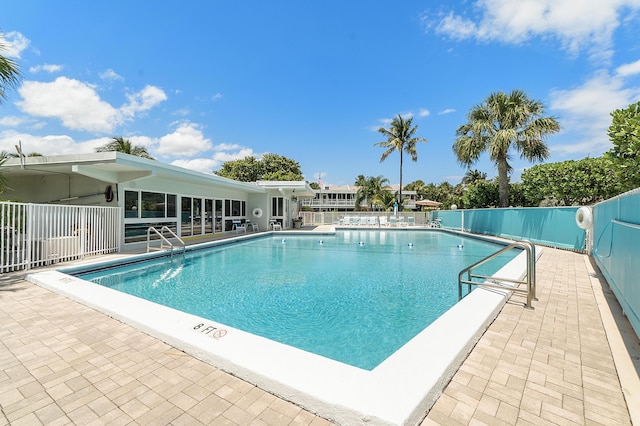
{"x": 55, "y": 187}
{"x": 616, "y": 245}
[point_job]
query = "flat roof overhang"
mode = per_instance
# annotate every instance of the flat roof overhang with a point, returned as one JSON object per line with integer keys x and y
{"x": 115, "y": 167}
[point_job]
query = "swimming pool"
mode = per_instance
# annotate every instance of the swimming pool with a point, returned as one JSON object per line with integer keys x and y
{"x": 355, "y": 297}
{"x": 399, "y": 390}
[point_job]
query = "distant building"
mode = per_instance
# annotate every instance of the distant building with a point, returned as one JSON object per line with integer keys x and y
{"x": 343, "y": 198}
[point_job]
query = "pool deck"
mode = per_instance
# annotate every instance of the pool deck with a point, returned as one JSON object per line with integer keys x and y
{"x": 565, "y": 362}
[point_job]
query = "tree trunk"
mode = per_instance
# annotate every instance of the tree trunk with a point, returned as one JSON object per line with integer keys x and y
{"x": 503, "y": 182}
{"x": 400, "y": 189}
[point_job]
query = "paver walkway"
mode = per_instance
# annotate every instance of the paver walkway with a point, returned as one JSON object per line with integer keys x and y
{"x": 64, "y": 363}
{"x": 547, "y": 366}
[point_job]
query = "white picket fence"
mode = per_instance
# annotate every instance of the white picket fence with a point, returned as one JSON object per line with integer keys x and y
{"x": 33, "y": 235}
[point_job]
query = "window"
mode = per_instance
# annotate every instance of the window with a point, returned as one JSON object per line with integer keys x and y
{"x": 153, "y": 205}
{"x": 277, "y": 206}
{"x": 171, "y": 205}
{"x": 131, "y": 204}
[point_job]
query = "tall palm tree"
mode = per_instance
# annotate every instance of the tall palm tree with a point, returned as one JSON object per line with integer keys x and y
{"x": 9, "y": 74}
{"x": 400, "y": 137}
{"x": 120, "y": 144}
{"x": 502, "y": 122}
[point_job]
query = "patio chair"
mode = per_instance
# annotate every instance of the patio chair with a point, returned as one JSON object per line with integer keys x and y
{"x": 393, "y": 221}
{"x": 401, "y": 221}
{"x": 363, "y": 221}
{"x": 383, "y": 221}
{"x": 239, "y": 226}
{"x": 411, "y": 221}
{"x": 373, "y": 221}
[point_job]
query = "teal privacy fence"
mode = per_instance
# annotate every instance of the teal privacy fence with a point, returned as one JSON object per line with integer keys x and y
{"x": 616, "y": 246}
{"x": 552, "y": 226}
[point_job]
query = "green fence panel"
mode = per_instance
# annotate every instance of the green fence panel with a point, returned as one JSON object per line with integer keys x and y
{"x": 616, "y": 245}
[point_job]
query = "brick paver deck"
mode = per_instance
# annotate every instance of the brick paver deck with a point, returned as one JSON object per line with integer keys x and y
{"x": 64, "y": 363}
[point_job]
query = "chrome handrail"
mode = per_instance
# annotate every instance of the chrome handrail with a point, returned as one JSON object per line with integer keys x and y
{"x": 495, "y": 282}
{"x": 164, "y": 242}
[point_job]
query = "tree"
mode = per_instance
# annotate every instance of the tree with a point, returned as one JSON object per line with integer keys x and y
{"x": 9, "y": 74}
{"x": 569, "y": 183}
{"x": 473, "y": 176}
{"x": 270, "y": 167}
{"x": 482, "y": 194}
{"x": 120, "y": 144}
{"x": 278, "y": 167}
{"x": 502, "y": 122}
{"x": 368, "y": 188}
{"x": 400, "y": 137}
{"x": 9, "y": 78}
{"x": 385, "y": 199}
{"x": 624, "y": 157}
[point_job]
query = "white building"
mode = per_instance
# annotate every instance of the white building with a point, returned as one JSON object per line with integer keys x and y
{"x": 152, "y": 193}
{"x": 343, "y": 198}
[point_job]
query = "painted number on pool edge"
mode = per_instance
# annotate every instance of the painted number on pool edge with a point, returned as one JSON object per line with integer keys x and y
{"x": 211, "y": 331}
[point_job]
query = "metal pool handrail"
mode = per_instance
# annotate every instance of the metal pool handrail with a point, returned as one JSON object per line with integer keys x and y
{"x": 495, "y": 282}
{"x": 164, "y": 242}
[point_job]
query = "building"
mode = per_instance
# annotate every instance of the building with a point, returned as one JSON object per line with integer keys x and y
{"x": 152, "y": 193}
{"x": 343, "y": 198}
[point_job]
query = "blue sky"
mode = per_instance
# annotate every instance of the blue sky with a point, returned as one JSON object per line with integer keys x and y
{"x": 200, "y": 83}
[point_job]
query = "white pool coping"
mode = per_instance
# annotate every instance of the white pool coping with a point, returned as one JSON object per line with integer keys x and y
{"x": 399, "y": 391}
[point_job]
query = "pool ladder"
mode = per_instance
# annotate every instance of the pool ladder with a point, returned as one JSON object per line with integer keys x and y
{"x": 165, "y": 243}
{"x": 499, "y": 283}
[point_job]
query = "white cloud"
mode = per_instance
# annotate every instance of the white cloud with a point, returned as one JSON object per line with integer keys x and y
{"x": 222, "y": 154}
{"x": 423, "y": 112}
{"x": 144, "y": 100}
{"x": 629, "y": 69}
{"x": 50, "y": 68}
{"x": 227, "y": 147}
{"x": 217, "y": 96}
{"x": 586, "y": 112}
{"x": 186, "y": 141}
{"x": 78, "y": 105}
{"x": 48, "y": 145}
{"x": 447, "y": 111}
{"x": 12, "y": 121}
{"x": 14, "y": 44}
{"x": 578, "y": 25}
{"x": 111, "y": 75}
{"x": 204, "y": 165}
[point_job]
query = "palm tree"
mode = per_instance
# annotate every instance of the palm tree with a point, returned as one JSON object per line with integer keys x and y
{"x": 9, "y": 74}
{"x": 385, "y": 199}
{"x": 120, "y": 144}
{"x": 369, "y": 187}
{"x": 9, "y": 78}
{"x": 502, "y": 122}
{"x": 400, "y": 137}
{"x": 473, "y": 176}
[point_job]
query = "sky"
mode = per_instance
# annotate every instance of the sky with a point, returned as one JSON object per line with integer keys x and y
{"x": 201, "y": 83}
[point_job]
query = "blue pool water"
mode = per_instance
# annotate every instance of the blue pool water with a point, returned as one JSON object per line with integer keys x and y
{"x": 355, "y": 297}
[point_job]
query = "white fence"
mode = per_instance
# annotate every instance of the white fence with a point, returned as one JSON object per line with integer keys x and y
{"x": 337, "y": 218}
{"x": 33, "y": 235}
